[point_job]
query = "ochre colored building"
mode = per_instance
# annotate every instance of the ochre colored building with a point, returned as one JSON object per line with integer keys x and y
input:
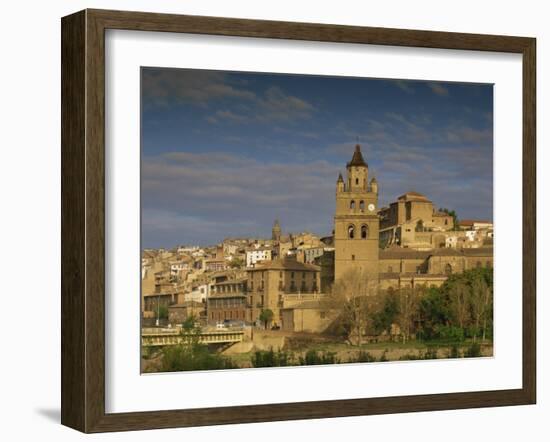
{"x": 227, "y": 301}
{"x": 356, "y": 220}
{"x": 270, "y": 281}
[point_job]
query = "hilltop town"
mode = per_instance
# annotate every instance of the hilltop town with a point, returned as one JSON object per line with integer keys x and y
{"x": 282, "y": 283}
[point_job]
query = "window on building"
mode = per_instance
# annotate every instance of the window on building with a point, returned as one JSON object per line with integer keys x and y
{"x": 362, "y": 205}
{"x": 292, "y": 275}
{"x": 303, "y": 287}
{"x": 478, "y": 264}
{"x": 351, "y": 231}
{"x": 356, "y": 181}
{"x": 390, "y": 269}
{"x": 323, "y": 315}
{"x": 292, "y": 286}
{"x": 352, "y": 205}
{"x": 488, "y": 264}
{"x": 281, "y": 287}
{"x": 448, "y": 269}
{"x": 353, "y": 257}
{"x": 364, "y": 231}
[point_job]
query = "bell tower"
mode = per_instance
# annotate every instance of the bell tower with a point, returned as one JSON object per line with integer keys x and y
{"x": 356, "y": 220}
{"x": 276, "y": 231}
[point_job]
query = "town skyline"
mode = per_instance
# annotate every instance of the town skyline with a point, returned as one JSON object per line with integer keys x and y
{"x": 225, "y": 154}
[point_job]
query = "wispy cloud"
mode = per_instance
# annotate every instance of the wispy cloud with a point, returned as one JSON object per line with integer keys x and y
{"x": 164, "y": 86}
{"x": 233, "y": 190}
{"x": 225, "y": 154}
{"x": 438, "y": 89}
{"x": 274, "y": 105}
{"x": 405, "y": 86}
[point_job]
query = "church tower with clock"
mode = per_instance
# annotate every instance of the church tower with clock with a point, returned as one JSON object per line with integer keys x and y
{"x": 356, "y": 220}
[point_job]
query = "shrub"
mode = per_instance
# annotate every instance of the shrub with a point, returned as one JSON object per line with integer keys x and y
{"x": 454, "y": 352}
{"x": 312, "y": 357}
{"x": 383, "y": 319}
{"x": 162, "y": 312}
{"x": 193, "y": 357}
{"x": 473, "y": 351}
{"x": 450, "y": 333}
{"x": 408, "y": 357}
{"x": 270, "y": 358}
{"x": 363, "y": 356}
{"x": 429, "y": 353}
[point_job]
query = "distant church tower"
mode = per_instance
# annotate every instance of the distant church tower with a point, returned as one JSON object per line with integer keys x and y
{"x": 276, "y": 231}
{"x": 356, "y": 220}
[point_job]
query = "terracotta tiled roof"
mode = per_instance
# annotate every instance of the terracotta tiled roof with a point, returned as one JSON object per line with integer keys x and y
{"x": 413, "y": 196}
{"x": 395, "y": 275}
{"x": 446, "y": 252}
{"x": 469, "y": 222}
{"x": 314, "y": 304}
{"x": 285, "y": 264}
{"x": 481, "y": 251}
{"x": 402, "y": 253}
{"x": 397, "y": 252}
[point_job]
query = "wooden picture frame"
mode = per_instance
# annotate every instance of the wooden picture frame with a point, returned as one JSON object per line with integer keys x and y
{"x": 83, "y": 220}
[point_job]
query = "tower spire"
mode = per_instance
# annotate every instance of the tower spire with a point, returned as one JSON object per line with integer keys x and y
{"x": 357, "y": 160}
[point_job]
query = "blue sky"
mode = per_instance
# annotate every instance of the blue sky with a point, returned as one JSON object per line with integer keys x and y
{"x": 225, "y": 153}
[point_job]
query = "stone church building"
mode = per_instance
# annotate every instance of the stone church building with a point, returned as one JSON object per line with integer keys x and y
{"x": 358, "y": 235}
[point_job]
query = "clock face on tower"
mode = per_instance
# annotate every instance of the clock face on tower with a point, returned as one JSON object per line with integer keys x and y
{"x": 371, "y": 207}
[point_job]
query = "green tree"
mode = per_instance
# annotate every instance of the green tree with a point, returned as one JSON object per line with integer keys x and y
{"x": 453, "y": 214}
{"x": 162, "y": 312}
{"x": 236, "y": 263}
{"x": 191, "y": 354}
{"x": 189, "y": 324}
{"x": 433, "y": 312}
{"x": 470, "y": 300}
{"x": 481, "y": 300}
{"x": 266, "y": 316}
{"x": 387, "y": 314}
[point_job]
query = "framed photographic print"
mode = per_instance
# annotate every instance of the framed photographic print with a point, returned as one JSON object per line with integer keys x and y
{"x": 267, "y": 221}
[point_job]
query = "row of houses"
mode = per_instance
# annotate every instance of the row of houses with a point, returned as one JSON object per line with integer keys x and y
{"x": 295, "y": 292}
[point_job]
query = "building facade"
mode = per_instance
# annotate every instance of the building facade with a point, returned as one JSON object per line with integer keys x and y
{"x": 356, "y": 220}
{"x": 269, "y": 282}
